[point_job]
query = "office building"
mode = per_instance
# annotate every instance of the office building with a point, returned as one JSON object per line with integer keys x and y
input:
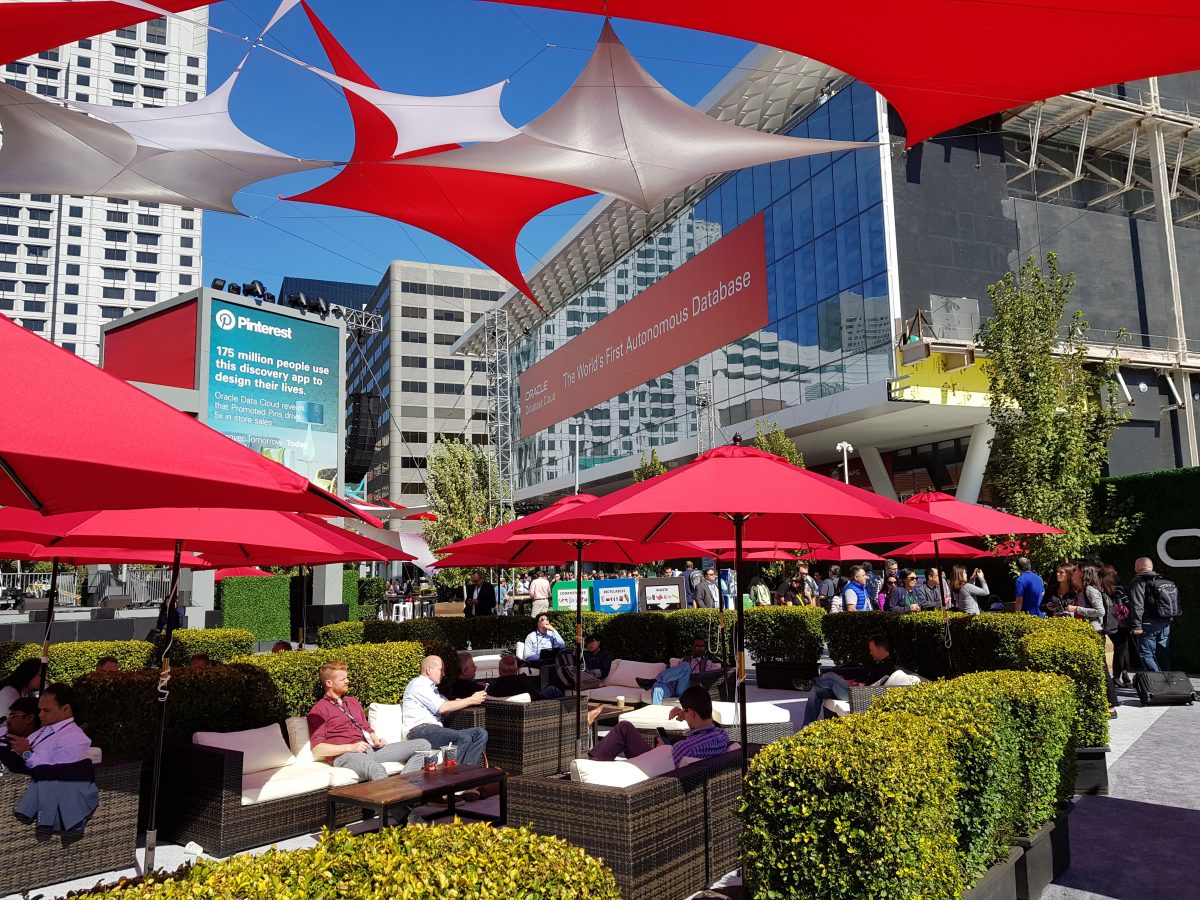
{"x": 70, "y": 264}
{"x": 426, "y": 390}
{"x": 340, "y": 293}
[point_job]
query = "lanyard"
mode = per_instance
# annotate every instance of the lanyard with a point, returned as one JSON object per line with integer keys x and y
{"x": 345, "y": 712}
{"x": 48, "y": 734}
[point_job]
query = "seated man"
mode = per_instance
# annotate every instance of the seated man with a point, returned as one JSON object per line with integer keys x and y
{"x": 341, "y": 733}
{"x": 511, "y": 682}
{"x": 465, "y": 684}
{"x": 424, "y": 707}
{"x": 542, "y": 640}
{"x": 597, "y": 663}
{"x": 704, "y": 738}
{"x": 673, "y": 681}
{"x": 108, "y": 664}
{"x": 833, "y": 686}
{"x": 59, "y": 740}
{"x": 200, "y": 661}
{"x": 22, "y": 721}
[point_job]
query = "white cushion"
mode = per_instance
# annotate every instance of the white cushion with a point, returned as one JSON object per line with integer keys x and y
{"x": 95, "y": 754}
{"x": 837, "y": 707}
{"x": 625, "y": 672}
{"x": 900, "y": 678}
{"x": 756, "y": 713}
{"x": 515, "y": 698}
{"x": 610, "y": 693}
{"x": 388, "y": 721}
{"x": 520, "y": 650}
{"x": 623, "y": 772}
{"x": 301, "y": 746}
{"x": 293, "y": 780}
{"x": 261, "y": 748}
{"x": 653, "y": 717}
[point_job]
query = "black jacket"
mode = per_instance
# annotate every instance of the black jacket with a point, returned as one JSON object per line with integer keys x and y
{"x": 487, "y": 600}
{"x": 1139, "y": 610}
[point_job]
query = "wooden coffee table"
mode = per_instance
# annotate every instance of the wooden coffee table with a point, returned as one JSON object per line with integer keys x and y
{"x": 397, "y": 790}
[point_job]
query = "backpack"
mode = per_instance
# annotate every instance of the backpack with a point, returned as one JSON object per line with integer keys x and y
{"x": 1112, "y": 619}
{"x": 1166, "y": 598}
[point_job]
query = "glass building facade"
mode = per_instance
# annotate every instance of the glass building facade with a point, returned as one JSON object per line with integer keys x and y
{"x": 829, "y": 327}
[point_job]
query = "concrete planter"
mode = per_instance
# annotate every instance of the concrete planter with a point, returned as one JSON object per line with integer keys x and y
{"x": 1046, "y": 855}
{"x": 783, "y": 676}
{"x": 999, "y": 882}
{"x": 1091, "y": 770}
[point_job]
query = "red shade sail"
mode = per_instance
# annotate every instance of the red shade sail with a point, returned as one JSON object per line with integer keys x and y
{"x": 28, "y": 28}
{"x": 481, "y": 212}
{"x": 240, "y": 572}
{"x": 124, "y": 446}
{"x": 931, "y": 59}
{"x": 946, "y": 549}
{"x": 974, "y": 520}
{"x": 83, "y": 556}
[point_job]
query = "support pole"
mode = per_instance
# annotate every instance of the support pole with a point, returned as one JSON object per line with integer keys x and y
{"x": 164, "y": 677}
{"x": 49, "y": 624}
{"x": 578, "y": 649}
{"x": 943, "y": 586}
{"x": 979, "y": 450}
{"x": 740, "y": 639}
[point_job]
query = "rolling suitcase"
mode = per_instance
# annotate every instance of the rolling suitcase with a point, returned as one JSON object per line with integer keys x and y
{"x": 1164, "y": 688}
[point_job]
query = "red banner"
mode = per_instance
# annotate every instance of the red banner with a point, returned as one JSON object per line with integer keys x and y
{"x": 717, "y": 297}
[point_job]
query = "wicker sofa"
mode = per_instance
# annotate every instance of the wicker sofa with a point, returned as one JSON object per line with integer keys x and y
{"x": 108, "y": 844}
{"x": 535, "y": 738}
{"x": 664, "y": 838}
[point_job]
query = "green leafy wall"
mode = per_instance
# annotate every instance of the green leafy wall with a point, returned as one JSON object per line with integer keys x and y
{"x": 259, "y": 605}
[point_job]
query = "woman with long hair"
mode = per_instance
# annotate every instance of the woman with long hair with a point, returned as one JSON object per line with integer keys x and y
{"x": 23, "y": 681}
{"x": 759, "y": 594}
{"x": 965, "y": 592}
{"x": 1085, "y": 581}
{"x": 1062, "y": 594}
{"x": 1118, "y": 598}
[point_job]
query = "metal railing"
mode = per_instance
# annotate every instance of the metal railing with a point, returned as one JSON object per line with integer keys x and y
{"x": 17, "y": 586}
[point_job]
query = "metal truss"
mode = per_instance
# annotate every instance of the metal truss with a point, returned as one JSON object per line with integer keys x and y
{"x": 498, "y": 363}
{"x": 706, "y": 423}
{"x": 359, "y": 319}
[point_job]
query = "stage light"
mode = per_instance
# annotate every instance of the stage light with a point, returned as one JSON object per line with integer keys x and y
{"x": 269, "y": 297}
{"x": 318, "y": 305}
{"x": 259, "y": 290}
{"x": 297, "y": 301}
{"x": 337, "y": 312}
{"x": 235, "y": 289}
{"x": 218, "y": 284}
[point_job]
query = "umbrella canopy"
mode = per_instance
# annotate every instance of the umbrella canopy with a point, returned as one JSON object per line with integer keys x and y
{"x": 125, "y": 446}
{"x": 760, "y": 551}
{"x": 82, "y": 556}
{"x": 972, "y": 519}
{"x": 240, "y": 572}
{"x": 948, "y": 549}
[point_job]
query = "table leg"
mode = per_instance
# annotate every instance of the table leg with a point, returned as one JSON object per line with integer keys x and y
{"x": 331, "y": 813}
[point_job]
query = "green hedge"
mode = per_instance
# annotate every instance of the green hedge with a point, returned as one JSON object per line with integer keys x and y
{"x": 784, "y": 634}
{"x": 456, "y": 860}
{"x": 371, "y": 598}
{"x": 259, "y": 605}
{"x": 340, "y": 634}
{"x": 75, "y": 659}
{"x": 350, "y": 593}
{"x": 856, "y": 807}
{"x": 1081, "y": 658}
{"x": 221, "y": 644}
{"x": 13, "y": 653}
{"x": 846, "y": 634}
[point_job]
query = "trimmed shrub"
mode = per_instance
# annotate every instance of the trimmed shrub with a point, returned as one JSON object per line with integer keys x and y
{"x": 379, "y": 632}
{"x": 685, "y": 625}
{"x": 340, "y": 634}
{"x": 221, "y": 644}
{"x": 861, "y": 806}
{"x": 991, "y": 641}
{"x": 13, "y": 653}
{"x": 1068, "y": 651}
{"x": 350, "y": 593}
{"x": 785, "y": 634}
{"x": 371, "y": 597}
{"x": 437, "y": 861}
{"x": 646, "y": 637}
{"x": 71, "y": 660}
{"x": 259, "y": 605}
{"x": 919, "y": 641}
{"x": 449, "y": 655}
{"x": 847, "y": 634}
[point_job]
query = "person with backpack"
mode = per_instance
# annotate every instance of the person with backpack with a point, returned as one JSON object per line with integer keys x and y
{"x": 1117, "y": 624}
{"x": 1153, "y": 605}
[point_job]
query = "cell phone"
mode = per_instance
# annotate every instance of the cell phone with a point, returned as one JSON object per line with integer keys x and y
{"x": 662, "y": 733}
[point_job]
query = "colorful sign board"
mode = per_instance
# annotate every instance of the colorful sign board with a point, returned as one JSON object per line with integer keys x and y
{"x": 273, "y": 385}
{"x": 564, "y": 595}
{"x": 718, "y": 296}
{"x": 616, "y": 595}
{"x": 660, "y": 594}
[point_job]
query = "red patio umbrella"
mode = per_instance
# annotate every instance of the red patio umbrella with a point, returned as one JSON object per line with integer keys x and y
{"x": 239, "y": 572}
{"x": 760, "y": 551}
{"x": 934, "y": 549}
{"x": 124, "y": 445}
{"x": 972, "y": 519}
{"x": 734, "y": 494}
{"x": 97, "y": 555}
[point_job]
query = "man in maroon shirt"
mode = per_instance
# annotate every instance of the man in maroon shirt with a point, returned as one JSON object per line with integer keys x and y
{"x": 339, "y": 732}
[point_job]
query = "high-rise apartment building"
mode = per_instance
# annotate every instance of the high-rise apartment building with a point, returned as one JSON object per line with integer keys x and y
{"x": 69, "y": 264}
{"x": 429, "y": 391}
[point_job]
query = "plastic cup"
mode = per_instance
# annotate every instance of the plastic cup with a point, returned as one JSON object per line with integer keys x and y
{"x": 450, "y": 755}
{"x": 621, "y": 700}
{"x": 431, "y": 761}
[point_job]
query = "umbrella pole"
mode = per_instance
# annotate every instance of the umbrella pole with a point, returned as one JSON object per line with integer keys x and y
{"x": 49, "y": 625}
{"x": 740, "y": 637}
{"x": 164, "y": 676}
{"x": 943, "y": 586}
{"x": 578, "y": 649}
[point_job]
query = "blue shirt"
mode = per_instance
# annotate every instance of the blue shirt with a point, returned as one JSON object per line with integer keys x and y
{"x": 537, "y": 642}
{"x": 421, "y": 703}
{"x": 1030, "y": 588}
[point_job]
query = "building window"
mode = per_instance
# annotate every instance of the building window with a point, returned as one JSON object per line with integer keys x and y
{"x": 412, "y": 387}
{"x": 84, "y": 62}
{"x": 414, "y": 437}
{"x": 115, "y": 274}
{"x": 72, "y": 268}
{"x": 71, "y": 290}
{"x": 451, "y": 365}
{"x": 51, "y": 55}
{"x": 36, "y": 269}
{"x": 35, "y": 250}
{"x": 413, "y": 362}
{"x": 191, "y": 96}
{"x": 183, "y": 223}
{"x": 70, "y": 309}
{"x": 186, "y": 242}
{"x": 74, "y": 250}
{"x": 444, "y": 340}
{"x": 155, "y": 56}
{"x": 145, "y": 256}
{"x": 47, "y": 73}
{"x": 147, "y": 219}
{"x": 479, "y": 440}
{"x": 185, "y": 279}
{"x": 70, "y": 328}
{"x": 447, "y": 315}
{"x": 115, "y": 255}
{"x": 75, "y": 212}
{"x": 413, "y": 337}
{"x": 129, "y": 33}
{"x": 186, "y": 261}
{"x": 154, "y": 75}
{"x": 34, "y": 324}
{"x": 193, "y": 79}
{"x": 123, "y": 69}
{"x": 154, "y": 93}
{"x": 146, "y": 239}
{"x": 36, "y": 287}
{"x": 116, "y": 235}
{"x": 17, "y": 68}
{"x": 39, "y": 233}
{"x": 115, "y": 215}
{"x": 112, "y": 312}
{"x": 145, "y": 296}
{"x": 74, "y": 231}
{"x": 442, "y": 387}
{"x": 37, "y": 306}
{"x": 479, "y": 390}
{"x": 193, "y": 62}
{"x": 39, "y": 215}
{"x": 122, "y": 87}
{"x": 141, "y": 276}
{"x": 70, "y": 348}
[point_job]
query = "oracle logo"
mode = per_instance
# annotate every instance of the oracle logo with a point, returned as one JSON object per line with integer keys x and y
{"x": 1167, "y": 559}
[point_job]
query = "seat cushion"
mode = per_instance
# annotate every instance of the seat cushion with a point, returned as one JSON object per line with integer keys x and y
{"x": 261, "y": 748}
{"x": 654, "y": 717}
{"x": 515, "y": 698}
{"x": 837, "y": 707}
{"x": 756, "y": 713}
{"x": 623, "y": 772}
{"x": 625, "y": 672}
{"x": 291, "y": 781}
{"x": 301, "y": 746}
{"x": 613, "y": 694}
{"x": 388, "y": 721}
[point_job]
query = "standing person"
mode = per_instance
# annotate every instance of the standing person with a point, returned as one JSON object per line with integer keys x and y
{"x": 930, "y": 595}
{"x": 23, "y": 681}
{"x": 503, "y": 597}
{"x": 481, "y": 597}
{"x": 759, "y": 594}
{"x": 1029, "y": 589}
{"x": 692, "y": 582}
{"x": 854, "y": 597}
{"x": 903, "y": 597}
{"x": 828, "y": 588}
{"x": 1122, "y": 641}
{"x": 965, "y": 592}
{"x": 793, "y": 594}
{"x": 1153, "y": 605}
{"x": 810, "y": 584}
{"x": 708, "y": 595}
{"x": 539, "y": 593}
{"x": 1091, "y": 608}
{"x": 1057, "y": 599}
{"x": 423, "y": 707}
{"x": 342, "y": 734}
{"x": 874, "y": 580}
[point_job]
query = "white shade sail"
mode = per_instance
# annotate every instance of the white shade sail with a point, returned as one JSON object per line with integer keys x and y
{"x": 619, "y": 132}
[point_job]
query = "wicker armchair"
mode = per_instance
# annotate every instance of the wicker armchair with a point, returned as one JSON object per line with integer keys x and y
{"x": 108, "y": 843}
{"x": 664, "y": 838}
{"x": 202, "y": 802}
{"x": 861, "y": 697}
{"x": 535, "y": 738}
{"x": 760, "y": 734}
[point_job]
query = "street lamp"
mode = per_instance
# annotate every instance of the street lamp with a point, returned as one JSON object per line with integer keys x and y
{"x": 846, "y": 449}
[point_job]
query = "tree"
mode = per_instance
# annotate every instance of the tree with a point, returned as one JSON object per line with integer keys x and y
{"x": 459, "y": 475}
{"x": 1052, "y": 411}
{"x": 772, "y": 439}
{"x": 648, "y": 468}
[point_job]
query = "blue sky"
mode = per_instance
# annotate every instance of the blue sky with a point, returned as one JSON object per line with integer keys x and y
{"x": 439, "y": 47}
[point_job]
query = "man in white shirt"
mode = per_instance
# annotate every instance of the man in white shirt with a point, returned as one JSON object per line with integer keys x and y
{"x": 539, "y": 593}
{"x": 59, "y": 740}
{"x": 423, "y": 708}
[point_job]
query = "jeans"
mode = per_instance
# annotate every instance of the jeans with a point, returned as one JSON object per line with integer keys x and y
{"x": 368, "y": 766}
{"x": 672, "y": 682}
{"x": 1153, "y": 646}
{"x": 829, "y": 686}
{"x": 469, "y": 741}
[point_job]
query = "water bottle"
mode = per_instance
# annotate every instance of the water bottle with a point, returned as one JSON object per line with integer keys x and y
{"x": 468, "y": 646}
